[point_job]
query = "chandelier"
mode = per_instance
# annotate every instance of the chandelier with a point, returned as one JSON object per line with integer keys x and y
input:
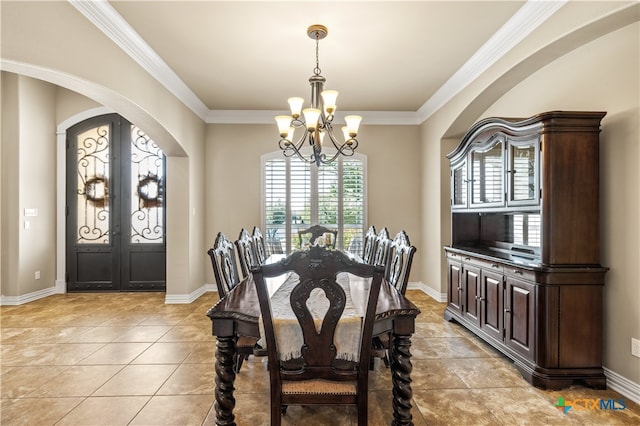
{"x": 316, "y": 120}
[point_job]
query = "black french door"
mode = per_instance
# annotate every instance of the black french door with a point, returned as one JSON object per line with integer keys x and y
{"x": 115, "y": 208}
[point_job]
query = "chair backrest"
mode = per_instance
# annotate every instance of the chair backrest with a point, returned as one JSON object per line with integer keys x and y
{"x": 318, "y": 268}
{"x": 259, "y": 245}
{"x": 223, "y": 259}
{"x": 369, "y": 246}
{"x": 313, "y": 232}
{"x": 399, "y": 263}
{"x": 246, "y": 252}
{"x": 383, "y": 244}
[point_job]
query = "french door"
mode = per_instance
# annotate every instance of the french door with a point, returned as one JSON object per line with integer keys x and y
{"x": 115, "y": 215}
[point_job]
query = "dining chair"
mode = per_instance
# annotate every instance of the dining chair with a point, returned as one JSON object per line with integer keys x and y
{"x": 319, "y": 373}
{"x": 313, "y": 232}
{"x": 259, "y": 245}
{"x": 225, "y": 270}
{"x": 383, "y": 242}
{"x": 399, "y": 262}
{"x": 369, "y": 245}
{"x": 396, "y": 272}
{"x": 246, "y": 252}
{"x": 381, "y": 254}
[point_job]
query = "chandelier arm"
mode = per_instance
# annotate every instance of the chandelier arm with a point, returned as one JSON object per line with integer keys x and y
{"x": 289, "y": 149}
{"x": 347, "y": 147}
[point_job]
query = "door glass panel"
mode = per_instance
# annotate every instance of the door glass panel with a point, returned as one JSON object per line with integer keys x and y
{"x": 488, "y": 175}
{"x": 460, "y": 185}
{"x": 147, "y": 189}
{"x": 522, "y": 164}
{"x": 93, "y": 186}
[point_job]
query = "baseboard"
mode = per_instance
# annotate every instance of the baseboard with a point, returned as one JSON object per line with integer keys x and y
{"x": 189, "y": 298}
{"x": 26, "y": 298}
{"x": 437, "y": 296}
{"x": 622, "y": 385}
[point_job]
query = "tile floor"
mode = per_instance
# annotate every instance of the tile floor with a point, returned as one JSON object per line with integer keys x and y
{"x": 130, "y": 359}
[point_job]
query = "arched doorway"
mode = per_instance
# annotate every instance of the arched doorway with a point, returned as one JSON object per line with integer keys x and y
{"x": 115, "y": 208}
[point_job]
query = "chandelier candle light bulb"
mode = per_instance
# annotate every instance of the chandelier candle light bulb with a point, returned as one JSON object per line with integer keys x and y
{"x": 284, "y": 123}
{"x": 295, "y": 104}
{"x": 317, "y": 120}
{"x": 329, "y": 98}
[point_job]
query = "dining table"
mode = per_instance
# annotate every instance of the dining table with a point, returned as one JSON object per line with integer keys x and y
{"x": 238, "y": 314}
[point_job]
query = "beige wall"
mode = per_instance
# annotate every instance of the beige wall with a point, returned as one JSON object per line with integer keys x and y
{"x": 233, "y": 199}
{"x": 603, "y": 75}
{"x": 70, "y": 103}
{"x": 30, "y": 183}
{"x": 9, "y": 173}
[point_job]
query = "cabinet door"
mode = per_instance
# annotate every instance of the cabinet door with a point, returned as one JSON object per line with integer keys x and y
{"x": 523, "y": 183}
{"x": 459, "y": 181}
{"x": 471, "y": 293}
{"x": 519, "y": 316}
{"x": 487, "y": 174}
{"x": 455, "y": 289}
{"x": 491, "y": 306}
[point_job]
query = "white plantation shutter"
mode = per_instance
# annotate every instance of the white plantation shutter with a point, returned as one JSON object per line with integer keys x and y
{"x": 299, "y": 184}
{"x": 275, "y": 204}
{"x": 328, "y": 190}
{"x": 297, "y": 195}
{"x": 353, "y": 205}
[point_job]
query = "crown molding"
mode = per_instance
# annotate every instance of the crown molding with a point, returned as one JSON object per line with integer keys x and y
{"x": 521, "y": 24}
{"x": 113, "y": 25}
{"x": 388, "y": 118}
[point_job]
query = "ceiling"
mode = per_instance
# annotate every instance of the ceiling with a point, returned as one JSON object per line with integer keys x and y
{"x": 388, "y": 57}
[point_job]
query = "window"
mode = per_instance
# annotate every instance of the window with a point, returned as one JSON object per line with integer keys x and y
{"x": 297, "y": 195}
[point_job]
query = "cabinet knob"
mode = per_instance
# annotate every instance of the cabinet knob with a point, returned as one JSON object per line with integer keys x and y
{"x": 459, "y": 288}
{"x": 517, "y": 271}
{"x": 494, "y": 265}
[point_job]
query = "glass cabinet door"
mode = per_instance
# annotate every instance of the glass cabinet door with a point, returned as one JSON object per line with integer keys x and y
{"x": 487, "y": 167}
{"x": 459, "y": 185}
{"x": 523, "y": 186}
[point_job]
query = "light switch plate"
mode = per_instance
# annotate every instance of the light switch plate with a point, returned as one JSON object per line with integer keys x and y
{"x": 635, "y": 347}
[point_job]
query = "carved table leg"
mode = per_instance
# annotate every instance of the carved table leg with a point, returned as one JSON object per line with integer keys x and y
{"x": 401, "y": 377}
{"x": 225, "y": 376}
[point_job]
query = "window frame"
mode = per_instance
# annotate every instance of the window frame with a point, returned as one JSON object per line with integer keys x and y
{"x": 313, "y": 182}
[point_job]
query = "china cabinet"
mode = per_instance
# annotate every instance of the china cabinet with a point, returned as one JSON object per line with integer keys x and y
{"x": 523, "y": 266}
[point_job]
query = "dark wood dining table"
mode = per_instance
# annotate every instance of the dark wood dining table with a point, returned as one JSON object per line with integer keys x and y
{"x": 238, "y": 314}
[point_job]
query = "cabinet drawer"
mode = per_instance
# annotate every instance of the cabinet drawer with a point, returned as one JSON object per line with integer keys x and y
{"x": 521, "y": 273}
{"x": 475, "y": 261}
{"x": 489, "y": 265}
{"x": 454, "y": 256}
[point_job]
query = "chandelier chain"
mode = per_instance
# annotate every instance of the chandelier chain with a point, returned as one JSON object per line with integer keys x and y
{"x": 317, "y": 69}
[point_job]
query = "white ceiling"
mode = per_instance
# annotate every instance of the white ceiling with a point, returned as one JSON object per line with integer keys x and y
{"x": 382, "y": 56}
